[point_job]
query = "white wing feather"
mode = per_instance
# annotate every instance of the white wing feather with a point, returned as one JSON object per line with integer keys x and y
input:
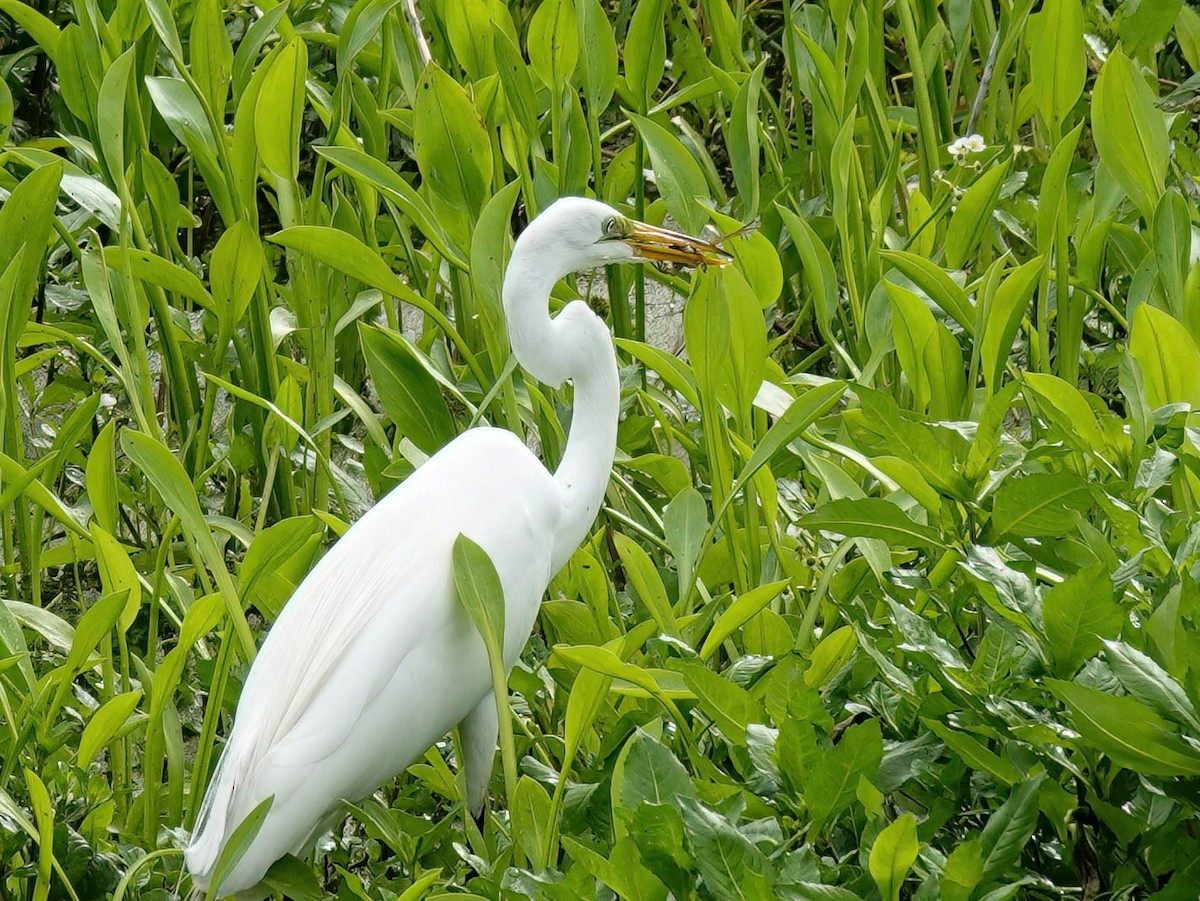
{"x": 373, "y": 659}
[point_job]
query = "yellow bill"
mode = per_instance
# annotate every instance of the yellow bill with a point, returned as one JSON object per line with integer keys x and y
{"x": 663, "y": 245}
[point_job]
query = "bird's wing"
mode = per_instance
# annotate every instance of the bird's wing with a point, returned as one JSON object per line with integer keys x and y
{"x": 396, "y": 558}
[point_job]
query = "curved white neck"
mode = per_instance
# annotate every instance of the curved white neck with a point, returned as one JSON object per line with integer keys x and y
{"x": 575, "y": 345}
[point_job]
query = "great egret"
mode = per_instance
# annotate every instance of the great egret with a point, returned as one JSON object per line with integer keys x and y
{"x": 374, "y": 658}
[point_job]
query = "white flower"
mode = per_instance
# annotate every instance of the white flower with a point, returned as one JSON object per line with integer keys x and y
{"x": 963, "y": 147}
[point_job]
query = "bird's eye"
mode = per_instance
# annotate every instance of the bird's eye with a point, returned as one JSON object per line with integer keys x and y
{"x": 612, "y": 228}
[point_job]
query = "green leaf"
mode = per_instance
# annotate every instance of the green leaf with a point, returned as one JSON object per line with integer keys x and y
{"x": 743, "y": 141}
{"x": 974, "y": 754}
{"x": 934, "y": 281}
{"x": 729, "y": 706}
{"x": 276, "y": 563}
{"x": 530, "y": 811}
{"x": 871, "y": 517}
{"x": 973, "y": 216}
{"x": 171, "y": 481}
{"x": 1143, "y": 678}
{"x": 964, "y": 869}
{"x": 645, "y": 53}
{"x": 1168, "y": 357}
{"x": 211, "y": 54}
{"x": 279, "y": 113}
{"x": 237, "y": 845}
{"x": 646, "y": 582}
{"x": 480, "y": 592}
{"x": 929, "y": 355}
{"x": 1130, "y": 134}
{"x": 1004, "y": 313}
{"x": 1009, "y": 829}
{"x": 1040, "y": 505}
{"x": 652, "y": 774}
{"x": 831, "y": 781}
{"x": 453, "y": 151}
{"x": 1057, "y": 59}
{"x": 893, "y": 854}
{"x": 1127, "y": 730}
{"x": 235, "y": 270}
{"x": 554, "y": 43}
{"x": 738, "y": 614}
{"x": 102, "y": 477}
{"x": 598, "y": 56}
{"x": 819, "y": 272}
{"x": 685, "y": 521}
{"x": 411, "y": 397}
{"x": 1078, "y": 614}
{"x": 392, "y": 186}
{"x": 104, "y": 724}
{"x": 678, "y": 176}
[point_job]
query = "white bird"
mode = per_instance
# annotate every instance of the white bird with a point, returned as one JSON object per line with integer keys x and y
{"x": 374, "y": 658}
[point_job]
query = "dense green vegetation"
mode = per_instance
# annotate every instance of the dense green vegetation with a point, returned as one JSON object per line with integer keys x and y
{"x": 895, "y": 591}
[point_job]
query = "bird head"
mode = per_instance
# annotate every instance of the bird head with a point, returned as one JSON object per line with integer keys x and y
{"x": 589, "y": 233}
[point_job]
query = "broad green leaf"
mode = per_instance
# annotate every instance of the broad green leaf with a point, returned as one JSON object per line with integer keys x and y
{"x": 871, "y": 517}
{"x": 646, "y": 582}
{"x": 1127, "y": 730}
{"x": 830, "y": 656}
{"x": 738, "y": 614}
{"x": 389, "y": 183}
{"x": 929, "y": 355}
{"x": 35, "y": 24}
{"x": 1040, "y": 505}
{"x": 729, "y": 706}
{"x": 892, "y": 855}
{"x": 110, "y": 114}
{"x": 645, "y": 54}
{"x": 480, "y": 592}
{"x": 1008, "y": 830}
{"x": 235, "y": 270}
{"x": 362, "y": 26}
{"x": 279, "y": 114}
{"x": 1057, "y": 59}
{"x": 819, "y": 273}
{"x": 150, "y": 267}
{"x": 1065, "y": 408}
{"x": 1008, "y": 305}
{"x": 652, "y": 774}
{"x": 934, "y": 281}
{"x": 973, "y": 216}
{"x": 800, "y": 414}
{"x": 598, "y": 56}
{"x": 1078, "y": 614}
{"x": 237, "y": 845}
{"x": 678, "y": 176}
{"x": 117, "y": 573}
{"x": 211, "y": 54}
{"x": 974, "y": 754}
{"x": 410, "y": 396}
{"x": 1129, "y": 131}
{"x": 1151, "y": 684}
{"x": 453, "y": 151}
{"x": 685, "y": 521}
{"x": 964, "y": 869}
{"x": 530, "y": 810}
{"x": 102, "y": 477}
{"x": 554, "y": 43}
{"x": 831, "y": 781}
{"x": 276, "y": 563}
{"x": 104, "y": 724}
{"x": 164, "y": 471}
{"x": 743, "y": 142}
{"x": 1168, "y": 358}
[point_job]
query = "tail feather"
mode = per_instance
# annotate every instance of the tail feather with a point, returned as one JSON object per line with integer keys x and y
{"x": 209, "y": 835}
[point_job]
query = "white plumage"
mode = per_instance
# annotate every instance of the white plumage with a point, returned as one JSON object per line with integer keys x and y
{"x": 374, "y": 659}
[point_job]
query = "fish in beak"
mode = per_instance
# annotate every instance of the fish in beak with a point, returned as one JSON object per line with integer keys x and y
{"x": 661, "y": 245}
